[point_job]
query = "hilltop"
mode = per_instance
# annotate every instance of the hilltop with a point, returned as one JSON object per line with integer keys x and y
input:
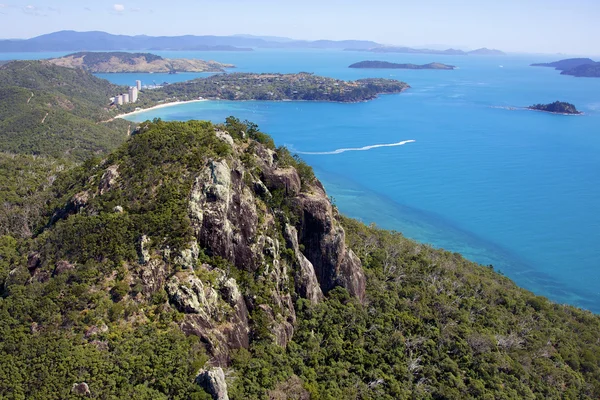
{"x": 389, "y": 65}
{"x": 121, "y": 62}
{"x": 579, "y": 67}
{"x": 202, "y": 256}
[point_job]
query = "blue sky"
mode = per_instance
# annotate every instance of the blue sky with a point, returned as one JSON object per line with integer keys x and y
{"x": 549, "y": 26}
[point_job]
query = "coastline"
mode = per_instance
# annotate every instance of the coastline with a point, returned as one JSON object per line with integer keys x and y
{"x": 176, "y": 103}
{"x": 164, "y": 105}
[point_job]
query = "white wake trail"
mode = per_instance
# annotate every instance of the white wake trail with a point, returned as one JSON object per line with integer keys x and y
{"x": 373, "y": 146}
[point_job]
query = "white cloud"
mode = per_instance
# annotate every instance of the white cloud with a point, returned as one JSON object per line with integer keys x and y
{"x": 119, "y": 7}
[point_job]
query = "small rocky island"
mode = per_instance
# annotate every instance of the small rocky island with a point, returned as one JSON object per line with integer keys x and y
{"x": 122, "y": 62}
{"x": 290, "y": 87}
{"x": 389, "y": 65}
{"x": 558, "y": 107}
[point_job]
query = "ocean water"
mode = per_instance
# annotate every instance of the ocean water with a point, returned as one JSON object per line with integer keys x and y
{"x": 516, "y": 189}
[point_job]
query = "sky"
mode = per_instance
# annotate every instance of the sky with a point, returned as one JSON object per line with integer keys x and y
{"x": 536, "y": 26}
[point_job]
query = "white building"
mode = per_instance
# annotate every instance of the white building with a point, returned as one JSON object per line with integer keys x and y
{"x": 119, "y": 100}
{"x": 125, "y": 98}
{"x": 133, "y": 94}
{"x": 138, "y": 85}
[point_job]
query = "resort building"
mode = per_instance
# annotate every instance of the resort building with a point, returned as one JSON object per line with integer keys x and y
{"x": 133, "y": 94}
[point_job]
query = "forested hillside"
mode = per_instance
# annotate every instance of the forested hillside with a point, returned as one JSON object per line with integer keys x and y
{"x": 50, "y": 110}
{"x": 196, "y": 245}
{"x": 50, "y": 119}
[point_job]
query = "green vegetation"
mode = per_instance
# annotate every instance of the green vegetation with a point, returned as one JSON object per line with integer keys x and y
{"x": 389, "y": 65}
{"x": 87, "y": 248}
{"x": 50, "y": 119}
{"x": 55, "y": 111}
{"x": 122, "y": 62}
{"x": 302, "y": 86}
{"x": 433, "y": 325}
{"x": 558, "y": 107}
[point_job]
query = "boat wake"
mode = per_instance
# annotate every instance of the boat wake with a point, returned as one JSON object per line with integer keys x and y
{"x": 339, "y": 151}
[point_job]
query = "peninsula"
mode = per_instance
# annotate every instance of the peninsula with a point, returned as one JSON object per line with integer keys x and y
{"x": 389, "y": 65}
{"x": 579, "y": 67}
{"x": 274, "y": 87}
{"x": 558, "y": 107}
{"x": 123, "y": 62}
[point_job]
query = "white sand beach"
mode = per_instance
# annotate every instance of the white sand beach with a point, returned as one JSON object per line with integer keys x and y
{"x": 174, "y": 103}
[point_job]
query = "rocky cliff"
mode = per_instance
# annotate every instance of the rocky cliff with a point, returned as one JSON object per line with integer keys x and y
{"x": 257, "y": 236}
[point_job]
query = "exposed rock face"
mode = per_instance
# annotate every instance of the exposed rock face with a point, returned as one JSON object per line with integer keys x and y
{"x": 286, "y": 179}
{"x": 109, "y": 179}
{"x": 81, "y": 389}
{"x": 153, "y": 275}
{"x": 324, "y": 242}
{"x": 213, "y": 381}
{"x": 224, "y": 215}
{"x": 218, "y": 315}
{"x": 224, "y": 136}
{"x": 143, "y": 251}
{"x": 224, "y": 212}
{"x": 62, "y": 266}
{"x": 189, "y": 256}
{"x": 307, "y": 284}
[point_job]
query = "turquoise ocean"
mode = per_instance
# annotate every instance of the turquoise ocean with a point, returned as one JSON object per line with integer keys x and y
{"x": 516, "y": 189}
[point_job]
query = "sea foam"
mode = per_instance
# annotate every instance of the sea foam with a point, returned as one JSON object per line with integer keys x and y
{"x": 373, "y": 146}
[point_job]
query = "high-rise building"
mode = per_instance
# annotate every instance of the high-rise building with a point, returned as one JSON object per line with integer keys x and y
{"x": 125, "y": 98}
{"x": 119, "y": 100}
{"x": 138, "y": 85}
{"x": 133, "y": 94}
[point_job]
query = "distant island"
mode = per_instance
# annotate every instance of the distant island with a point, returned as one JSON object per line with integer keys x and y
{"x": 579, "y": 67}
{"x": 71, "y": 41}
{"x": 558, "y": 107}
{"x": 389, "y": 65}
{"x": 122, "y": 62}
{"x": 447, "y": 52}
{"x": 486, "y": 52}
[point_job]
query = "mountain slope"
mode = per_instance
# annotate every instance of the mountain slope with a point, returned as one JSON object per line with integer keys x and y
{"x": 121, "y": 62}
{"x": 50, "y": 110}
{"x": 197, "y": 245}
{"x": 49, "y": 120}
{"x": 102, "y": 41}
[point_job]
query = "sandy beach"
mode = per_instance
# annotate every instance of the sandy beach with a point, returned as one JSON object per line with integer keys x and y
{"x": 174, "y": 103}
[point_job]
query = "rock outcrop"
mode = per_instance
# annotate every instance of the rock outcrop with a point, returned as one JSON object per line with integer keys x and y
{"x": 230, "y": 219}
{"x": 213, "y": 381}
{"x": 81, "y": 389}
{"x": 324, "y": 243}
{"x": 218, "y": 315}
{"x": 306, "y": 282}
